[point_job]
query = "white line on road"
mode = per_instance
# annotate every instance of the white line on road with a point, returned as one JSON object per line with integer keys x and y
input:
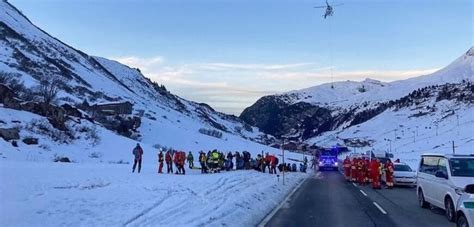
{"x": 355, "y": 185}
{"x": 380, "y": 208}
{"x": 274, "y": 211}
{"x": 363, "y": 193}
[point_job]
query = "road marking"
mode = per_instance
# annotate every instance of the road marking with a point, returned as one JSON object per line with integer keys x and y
{"x": 355, "y": 185}
{"x": 285, "y": 201}
{"x": 380, "y": 208}
{"x": 363, "y": 193}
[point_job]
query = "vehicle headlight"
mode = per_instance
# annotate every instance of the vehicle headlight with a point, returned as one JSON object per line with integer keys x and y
{"x": 335, "y": 163}
{"x": 459, "y": 191}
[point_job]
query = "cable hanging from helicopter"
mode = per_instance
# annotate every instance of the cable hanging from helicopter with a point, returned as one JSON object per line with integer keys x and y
{"x": 329, "y": 12}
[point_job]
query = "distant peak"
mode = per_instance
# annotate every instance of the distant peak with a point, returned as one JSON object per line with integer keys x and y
{"x": 470, "y": 52}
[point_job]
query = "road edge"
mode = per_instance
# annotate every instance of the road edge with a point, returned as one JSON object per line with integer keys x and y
{"x": 270, "y": 215}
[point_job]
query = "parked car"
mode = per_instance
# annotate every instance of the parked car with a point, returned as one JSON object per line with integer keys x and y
{"x": 403, "y": 175}
{"x": 465, "y": 208}
{"x": 441, "y": 180}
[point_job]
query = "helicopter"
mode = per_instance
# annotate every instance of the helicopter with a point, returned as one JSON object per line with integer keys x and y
{"x": 329, "y": 9}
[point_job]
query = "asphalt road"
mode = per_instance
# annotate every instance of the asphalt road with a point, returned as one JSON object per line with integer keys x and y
{"x": 326, "y": 199}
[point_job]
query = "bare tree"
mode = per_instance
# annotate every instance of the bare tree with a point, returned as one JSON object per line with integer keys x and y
{"x": 48, "y": 89}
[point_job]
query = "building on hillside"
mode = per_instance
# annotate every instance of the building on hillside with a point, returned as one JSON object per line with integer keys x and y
{"x": 113, "y": 108}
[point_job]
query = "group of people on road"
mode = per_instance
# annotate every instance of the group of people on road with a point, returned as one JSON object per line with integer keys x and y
{"x": 214, "y": 161}
{"x": 364, "y": 170}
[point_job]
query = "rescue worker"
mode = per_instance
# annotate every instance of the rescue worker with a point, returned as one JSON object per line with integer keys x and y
{"x": 361, "y": 171}
{"x": 273, "y": 164}
{"x": 169, "y": 161}
{"x": 203, "y": 161}
{"x": 376, "y": 169}
{"x": 160, "y": 161}
{"x": 180, "y": 160}
{"x": 266, "y": 162}
{"x": 246, "y": 158}
{"x": 354, "y": 170}
{"x": 259, "y": 162}
{"x": 215, "y": 161}
{"x": 368, "y": 179}
{"x": 389, "y": 169}
{"x": 137, "y": 153}
{"x": 239, "y": 162}
{"x": 347, "y": 168}
{"x": 190, "y": 160}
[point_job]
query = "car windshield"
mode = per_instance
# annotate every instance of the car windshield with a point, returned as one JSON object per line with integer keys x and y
{"x": 403, "y": 168}
{"x": 462, "y": 167}
{"x": 328, "y": 153}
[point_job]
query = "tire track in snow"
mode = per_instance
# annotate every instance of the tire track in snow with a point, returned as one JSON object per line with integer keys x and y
{"x": 146, "y": 211}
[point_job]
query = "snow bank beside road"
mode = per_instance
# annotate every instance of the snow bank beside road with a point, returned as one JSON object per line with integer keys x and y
{"x": 61, "y": 194}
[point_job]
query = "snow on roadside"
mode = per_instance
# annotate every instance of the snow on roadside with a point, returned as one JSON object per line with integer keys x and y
{"x": 92, "y": 194}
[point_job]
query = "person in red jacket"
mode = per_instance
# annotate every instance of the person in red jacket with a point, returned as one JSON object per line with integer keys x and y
{"x": 273, "y": 163}
{"x": 368, "y": 179}
{"x": 354, "y": 170}
{"x": 389, "y": 169}
{"x": 169, "y": 161}
{"x": 361, "y": 171}
{"x": 347, "y": 168}
{"x": 137, "y": 153}
{"x": 179, "y": 160}
{"x": 160, "y": 161}
{"x": 376, "y": 169}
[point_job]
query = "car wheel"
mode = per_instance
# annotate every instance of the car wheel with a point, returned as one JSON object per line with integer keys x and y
{"x": 421, "y": 200}
{"x": 462, "y": 221}
{"x": 449, "y": 208}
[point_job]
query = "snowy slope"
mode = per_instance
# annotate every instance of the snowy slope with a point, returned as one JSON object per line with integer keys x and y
{"x": 347, "y": 93}
{"x": 407, "y": 137}
{"x": 32, "y": 55}
{"x": 342, "y": 104}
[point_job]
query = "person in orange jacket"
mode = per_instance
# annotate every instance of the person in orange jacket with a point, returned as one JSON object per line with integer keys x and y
{"x": 376, "y": 170}
{"x": 347, "y": 168}
{"x": 389, "y": 169}
{"x": 354, "y": 170}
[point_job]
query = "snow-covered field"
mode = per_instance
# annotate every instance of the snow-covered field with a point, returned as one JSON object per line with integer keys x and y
{"x": 86, "y": 194}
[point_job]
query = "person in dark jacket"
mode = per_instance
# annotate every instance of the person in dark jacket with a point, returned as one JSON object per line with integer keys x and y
{"x": 169, "y": 161}
{"x": 137, "y": 153}
{"x": 190, "y": 159}
{"x": 161, "y": 159}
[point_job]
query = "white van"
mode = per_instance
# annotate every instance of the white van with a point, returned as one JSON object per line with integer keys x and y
{"x": 441, "y": 180}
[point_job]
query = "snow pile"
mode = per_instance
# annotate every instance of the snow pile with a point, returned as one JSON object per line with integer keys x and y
{"x": 103, "y": 195}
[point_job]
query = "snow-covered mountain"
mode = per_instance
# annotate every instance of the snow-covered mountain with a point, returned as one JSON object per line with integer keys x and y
{"x": 30, "y": 57}
{"x": 370, "y": 113}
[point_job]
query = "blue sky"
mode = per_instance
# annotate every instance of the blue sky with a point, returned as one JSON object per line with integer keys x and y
{"x": 230, "y": 53}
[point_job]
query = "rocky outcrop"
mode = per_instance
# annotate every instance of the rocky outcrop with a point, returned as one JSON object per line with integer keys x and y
{"x": 278, "y": 118}
{"x": 30, "y": 141}
{"x": 10, "y": 133}
{"x": 7, "y": 97}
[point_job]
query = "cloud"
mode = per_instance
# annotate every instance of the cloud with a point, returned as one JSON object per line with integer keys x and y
{"x": 229, "y": 66}
{"x": 231, "y": 87}
{"x": 137, "y": 62}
